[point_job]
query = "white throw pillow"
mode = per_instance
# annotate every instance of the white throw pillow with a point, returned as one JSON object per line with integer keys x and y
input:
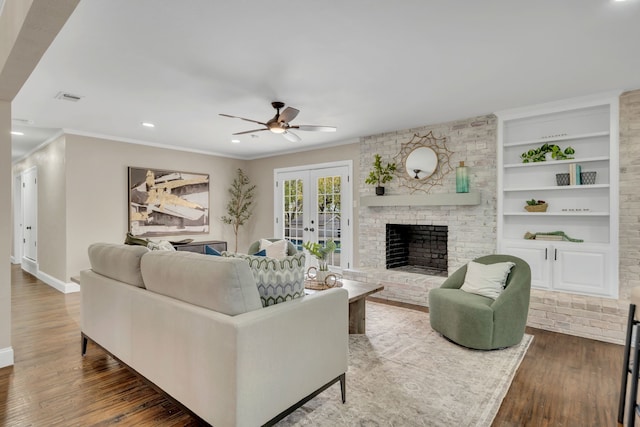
{"x": 277, "y": 249}
{"x": 486, "y": 280}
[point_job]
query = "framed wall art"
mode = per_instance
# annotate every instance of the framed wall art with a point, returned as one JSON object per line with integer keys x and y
{"x": 165, "y": 203}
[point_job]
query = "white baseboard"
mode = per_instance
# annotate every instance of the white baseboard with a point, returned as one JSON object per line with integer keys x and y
{"x": 31, "y": 267}
{"x": 6, "y": 357}
{"x": 65, "y": 288}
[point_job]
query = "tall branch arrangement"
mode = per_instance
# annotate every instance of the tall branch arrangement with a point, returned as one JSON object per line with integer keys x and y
{"x": 239, "y": 207}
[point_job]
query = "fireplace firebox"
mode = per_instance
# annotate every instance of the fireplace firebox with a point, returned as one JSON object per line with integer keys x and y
{"x": 417, "y": 248}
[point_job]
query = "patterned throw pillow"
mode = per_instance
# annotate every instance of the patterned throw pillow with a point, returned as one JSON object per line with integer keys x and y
{"x": 278, "y": 280}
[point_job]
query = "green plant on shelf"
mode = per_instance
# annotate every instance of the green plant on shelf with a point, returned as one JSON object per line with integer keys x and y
{"x": 534, "y": 202}
{"x": 540, "y": 154}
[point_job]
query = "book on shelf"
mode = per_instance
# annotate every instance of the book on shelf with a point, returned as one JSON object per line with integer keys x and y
{"x": 548, "y": 237}
{"x": 574, "y": 174}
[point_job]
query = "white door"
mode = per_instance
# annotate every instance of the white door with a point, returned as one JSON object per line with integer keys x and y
{"x": 30, "y": 213}
{"x": 17, "y": 219}
{"x": 314, "y": 204}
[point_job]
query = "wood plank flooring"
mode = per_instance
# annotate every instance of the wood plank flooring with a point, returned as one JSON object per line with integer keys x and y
{"x": 563, "y": 380}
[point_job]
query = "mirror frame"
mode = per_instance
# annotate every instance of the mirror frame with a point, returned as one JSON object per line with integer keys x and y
{"x": 440, "y": 169}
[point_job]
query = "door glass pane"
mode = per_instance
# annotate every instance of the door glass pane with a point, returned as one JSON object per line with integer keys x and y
{"x": 293, "y": 213}
{"x": 329, "y": 214}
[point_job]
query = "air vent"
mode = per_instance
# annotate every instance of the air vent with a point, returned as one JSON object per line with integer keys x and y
{"x": 66, "y": 96}
{"x": 23, "y": 121}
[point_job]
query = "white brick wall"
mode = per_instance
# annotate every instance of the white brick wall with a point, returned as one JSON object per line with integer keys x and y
{"x": 472, "y": 229}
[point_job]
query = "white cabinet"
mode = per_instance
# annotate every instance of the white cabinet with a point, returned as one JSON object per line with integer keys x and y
{"x": 588, "y": 212}
{"x": 565, "y": 266}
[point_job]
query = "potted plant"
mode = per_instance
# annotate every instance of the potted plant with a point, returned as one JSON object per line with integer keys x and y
{"x": 239, "y": 207}
{"x": 534, "y": 205}
{"x": 546, "y": 152}
{"x": 321, "y": 253}
{"x": 380, "y": 174}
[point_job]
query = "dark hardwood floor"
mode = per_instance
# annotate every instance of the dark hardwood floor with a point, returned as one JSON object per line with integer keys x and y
{"x": 563, "y": 380}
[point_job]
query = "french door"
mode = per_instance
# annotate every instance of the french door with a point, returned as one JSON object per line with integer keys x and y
{"x": 313, "y": 204}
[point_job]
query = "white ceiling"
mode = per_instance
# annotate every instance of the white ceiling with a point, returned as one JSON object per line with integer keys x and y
{"x": 364, "y": 66}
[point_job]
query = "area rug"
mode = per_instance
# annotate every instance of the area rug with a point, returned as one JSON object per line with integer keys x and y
{"x": 402, "y": 373}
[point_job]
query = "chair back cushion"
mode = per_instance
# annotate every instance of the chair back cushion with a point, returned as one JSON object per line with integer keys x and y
{"x": 256, "y": 246}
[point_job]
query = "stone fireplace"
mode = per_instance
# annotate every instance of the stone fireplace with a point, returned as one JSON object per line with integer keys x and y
{"x": 471, "y": 230}
{"x": 420, "y": 249}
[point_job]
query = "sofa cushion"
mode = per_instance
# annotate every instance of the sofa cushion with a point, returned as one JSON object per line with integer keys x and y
{"x": 278, "y": 280}
{"x": 221, "y": 284}
{"x": 118, "y": 262}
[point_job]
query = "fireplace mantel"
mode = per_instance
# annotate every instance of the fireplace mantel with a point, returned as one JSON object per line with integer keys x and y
{"x": 443, "y": 199}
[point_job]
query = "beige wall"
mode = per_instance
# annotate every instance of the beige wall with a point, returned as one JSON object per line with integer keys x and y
{"x": 96, "y": 182}
{"x": 51, "y": 229}
{"x": 5, "y": 221}
{"x": 261, "y": 173}
{"x": 26, "y": 31}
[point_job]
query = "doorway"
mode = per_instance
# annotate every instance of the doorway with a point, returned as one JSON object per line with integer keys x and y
{"x": 313, "y": 203}
{"x": 30, "y": 215}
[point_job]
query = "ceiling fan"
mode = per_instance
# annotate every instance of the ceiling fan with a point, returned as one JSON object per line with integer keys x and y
{"x": 280, "y": 123}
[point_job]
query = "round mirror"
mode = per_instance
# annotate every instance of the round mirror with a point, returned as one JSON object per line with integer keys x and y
{"x": 421, "y": 163}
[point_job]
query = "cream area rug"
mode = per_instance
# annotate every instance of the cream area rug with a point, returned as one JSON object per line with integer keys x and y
{"x": 402, "y": 373}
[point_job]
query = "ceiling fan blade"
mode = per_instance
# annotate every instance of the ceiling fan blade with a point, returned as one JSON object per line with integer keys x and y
{"x": 242, "y": 118}
{"x": 292, "y": 136}
{"x": 249, "y": 131}
{"x": 315, "y": 128}
{"x": 288, "y": 114}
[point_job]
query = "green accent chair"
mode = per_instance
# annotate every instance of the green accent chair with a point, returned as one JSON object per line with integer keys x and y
{"x": 255, "y": 247}
{"x": 479, "y": 322}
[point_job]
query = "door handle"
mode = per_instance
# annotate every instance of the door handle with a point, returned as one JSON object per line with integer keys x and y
{"x": 28, "y": 228}
{"x": 555, "y": 255}
{"x": 545, "y": 253}
{"x": 309, "y": 229}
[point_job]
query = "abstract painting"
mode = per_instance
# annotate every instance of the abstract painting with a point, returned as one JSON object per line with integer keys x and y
{"x": 164, "y": 203}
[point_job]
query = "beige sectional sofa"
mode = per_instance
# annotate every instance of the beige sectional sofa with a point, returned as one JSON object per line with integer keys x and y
{"x": 195, "y": 327}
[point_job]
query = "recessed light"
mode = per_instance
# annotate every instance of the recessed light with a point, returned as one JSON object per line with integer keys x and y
{"x": 235, "y": 141}
{"x": 13, "y": 132}
{"x": 148, "y": 125}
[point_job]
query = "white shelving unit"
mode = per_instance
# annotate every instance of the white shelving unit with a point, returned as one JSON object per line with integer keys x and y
{"x": 587, "y": 212}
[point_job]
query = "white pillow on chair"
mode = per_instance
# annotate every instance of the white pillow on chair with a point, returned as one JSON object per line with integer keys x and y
{"x": 277, "y": 249}
{"x": 486, "y": 280}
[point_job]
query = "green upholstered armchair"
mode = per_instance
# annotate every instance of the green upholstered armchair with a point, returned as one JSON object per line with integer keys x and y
{"x": 255, "y": 247}
{"x": 479, "y": 322}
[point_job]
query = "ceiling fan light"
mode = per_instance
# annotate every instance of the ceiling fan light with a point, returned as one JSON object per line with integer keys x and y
{"x": 277, "y": 130}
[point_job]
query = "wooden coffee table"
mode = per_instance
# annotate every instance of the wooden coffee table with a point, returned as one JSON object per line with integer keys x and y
{"x": 358, "y": 292}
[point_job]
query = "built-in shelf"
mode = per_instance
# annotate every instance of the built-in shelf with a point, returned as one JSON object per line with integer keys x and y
{"x": 539, "y": 214}
{"x": 445, "y": 199}
{"x": 558, "y": 139}
{"x": 555, "y": 162}
{"x": 560, "y": 187}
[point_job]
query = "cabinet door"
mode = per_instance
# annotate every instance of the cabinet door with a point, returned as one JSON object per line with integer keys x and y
{"x": 537, "y": 258}
{"x": 582, "y": 270}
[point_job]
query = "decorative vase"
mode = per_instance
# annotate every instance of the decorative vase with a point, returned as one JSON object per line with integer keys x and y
{"x": 462, "y": 178}
{"x": 379, "y": 191}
